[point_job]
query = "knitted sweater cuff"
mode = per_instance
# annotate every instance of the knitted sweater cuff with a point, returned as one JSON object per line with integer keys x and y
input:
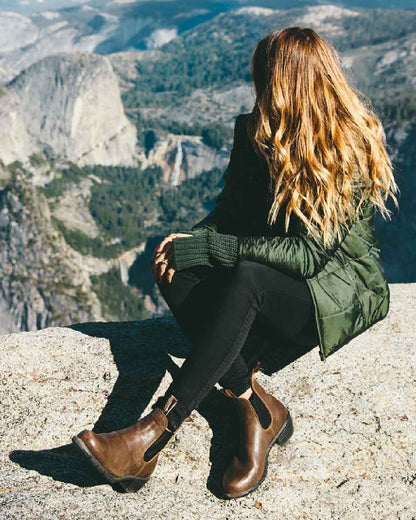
{"x": 204, "y": 247}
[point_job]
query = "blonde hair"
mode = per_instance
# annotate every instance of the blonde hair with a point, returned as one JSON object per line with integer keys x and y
{"x": 315, "y": 134}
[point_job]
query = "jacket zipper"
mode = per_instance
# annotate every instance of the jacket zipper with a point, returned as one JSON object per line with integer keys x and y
{"x": 321, "y": 348}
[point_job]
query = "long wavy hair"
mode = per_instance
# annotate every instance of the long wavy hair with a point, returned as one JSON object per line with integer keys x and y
{"x": 316, "y": 135}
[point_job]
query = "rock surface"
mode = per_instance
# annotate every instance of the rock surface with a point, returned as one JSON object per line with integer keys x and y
{"x": 352, "y": 454}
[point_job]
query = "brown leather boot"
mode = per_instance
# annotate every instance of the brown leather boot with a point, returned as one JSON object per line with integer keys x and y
{"x": 248, "y": 467}
{"x": 128, "y": 457}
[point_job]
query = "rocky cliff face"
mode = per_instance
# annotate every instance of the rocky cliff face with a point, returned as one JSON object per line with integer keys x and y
{"x": 66, "y": 107}
{"x": 15, "y": 141}
{"x": 183, "y": 157}
{"x": 43, "y": 280}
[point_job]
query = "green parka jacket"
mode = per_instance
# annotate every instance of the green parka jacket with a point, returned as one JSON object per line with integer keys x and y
{"x": 347, "y": 281}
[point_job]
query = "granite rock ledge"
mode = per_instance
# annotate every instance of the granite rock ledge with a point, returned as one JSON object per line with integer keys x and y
{"x": 352, "y": 455}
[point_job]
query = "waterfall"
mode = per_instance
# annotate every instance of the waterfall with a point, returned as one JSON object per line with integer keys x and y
{"x": 178, "y": 163}
{"x": 124, "y": 274}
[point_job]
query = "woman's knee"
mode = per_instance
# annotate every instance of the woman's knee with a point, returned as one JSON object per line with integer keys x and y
{"x": 186, "y": 285}
{"x": 243, "y": 271}
{"x": 242, "y": 277}
{"x": 179, "y": 278}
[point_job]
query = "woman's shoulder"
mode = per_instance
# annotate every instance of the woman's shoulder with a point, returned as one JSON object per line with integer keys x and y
{"x": 245, "y": 115}
{"x": 241, "y": 131}
{"x": 242, "y": 136}
{"x": 243, "y": 118}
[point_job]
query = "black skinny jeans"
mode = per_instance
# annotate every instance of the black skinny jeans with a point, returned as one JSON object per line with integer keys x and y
{"x": 216, "y": 308}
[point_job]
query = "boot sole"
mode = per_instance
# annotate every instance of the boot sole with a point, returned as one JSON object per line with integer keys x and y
{"x": 129, "y": 484}
{"x": 282, "y": 436}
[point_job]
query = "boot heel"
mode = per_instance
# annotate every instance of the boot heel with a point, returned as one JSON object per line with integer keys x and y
{"x": 131, "y": 485}
{"x": 286, "y": 431}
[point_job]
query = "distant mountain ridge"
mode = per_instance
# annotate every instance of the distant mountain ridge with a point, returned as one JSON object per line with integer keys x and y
{"x": 34, "y": 6}
{"x": 107, "y": 26}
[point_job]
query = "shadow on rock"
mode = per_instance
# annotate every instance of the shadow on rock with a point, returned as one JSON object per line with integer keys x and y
{"x": 64, "y": 464}
{"x": 141, "y": 352}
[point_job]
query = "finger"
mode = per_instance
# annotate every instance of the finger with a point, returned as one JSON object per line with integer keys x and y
{"x": 156, "y": 266}
{"x": 160, "y": 270}
{"x": 159, "y": 257}
{"x": 167, "y": 256}
{"x": 165, "y": 241}
{"x": 155, "y": 272}
{"x": 169, "y": 275}
{"x": 166, "y": 244}
{"x": 156, "y": 253}
{"x": 161, "y": 263}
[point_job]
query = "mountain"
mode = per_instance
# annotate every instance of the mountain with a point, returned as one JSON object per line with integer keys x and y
{"x": 43, "y": 280}
{"x": 102, "y": 27}
{"x": 30, "y": 31}
{"x": 118, "y": 151}
{"x": 33, "y": 6}
{"x": 210, "y": 63}
{"x": 67, "y": 107}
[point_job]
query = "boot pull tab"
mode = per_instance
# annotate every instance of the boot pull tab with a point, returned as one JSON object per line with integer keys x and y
{"x": 257, "y": 368}
{"x": 228, "y": 392}
{"x": 169, "y": 404}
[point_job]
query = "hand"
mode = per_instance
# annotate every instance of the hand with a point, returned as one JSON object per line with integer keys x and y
{"x": 162, "y": 258}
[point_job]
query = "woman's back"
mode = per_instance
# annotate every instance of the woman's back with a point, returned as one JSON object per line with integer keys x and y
{"x": 347, "y": 281}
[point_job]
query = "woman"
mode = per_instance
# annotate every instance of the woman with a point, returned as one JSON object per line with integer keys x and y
{"x": 289, "y": 252}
